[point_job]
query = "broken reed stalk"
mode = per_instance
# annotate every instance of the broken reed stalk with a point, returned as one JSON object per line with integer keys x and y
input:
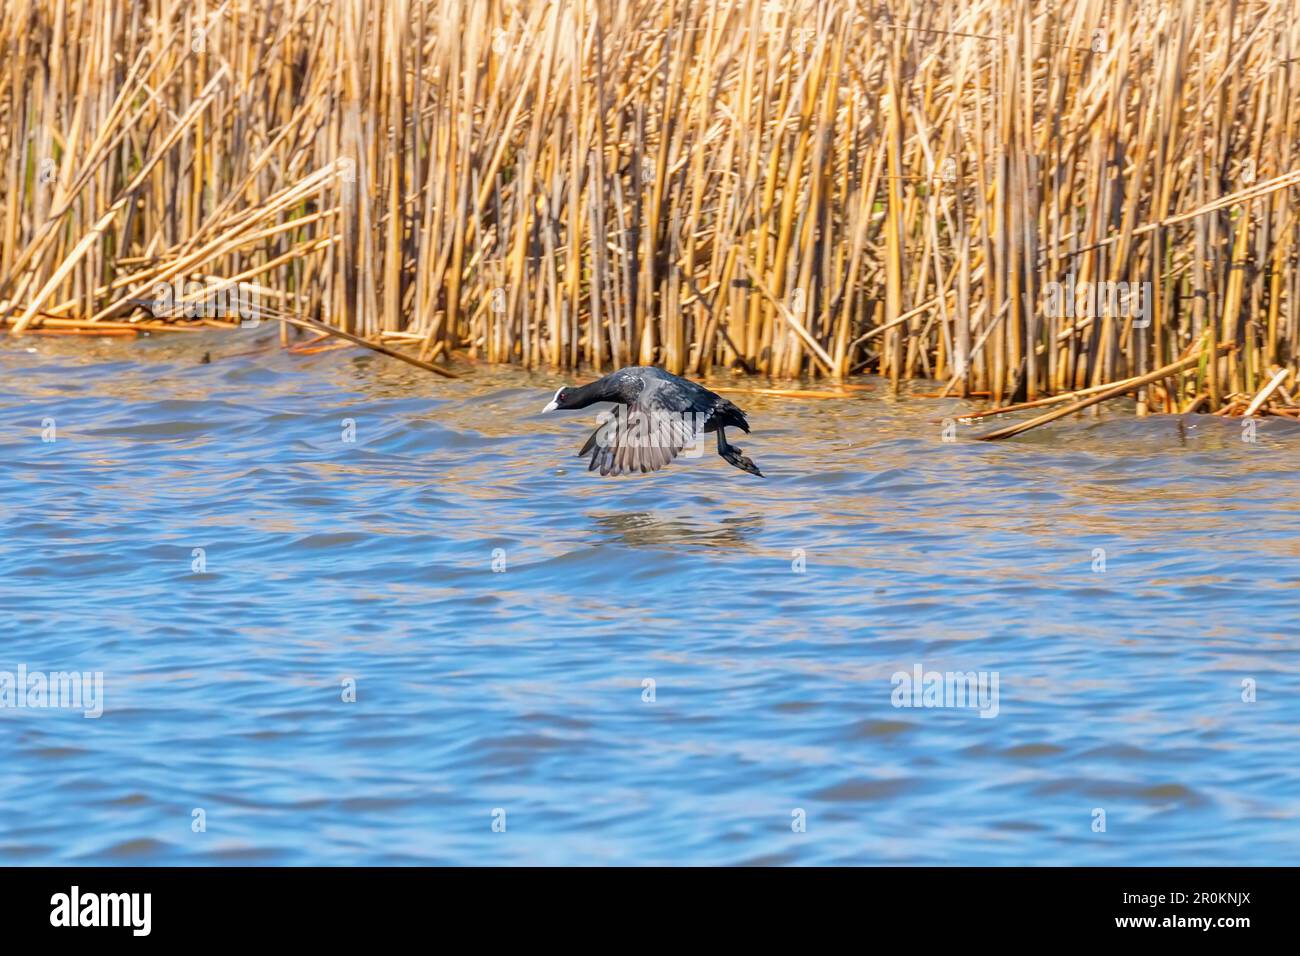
{"x": 42, "y": 321}
{"x": 303, "y": 322}
{"x": 1114, "y": 391}
{"x": 1042, "y": 402}
{"x": 807, "y": 189}
{"x": 1258, "y": 401}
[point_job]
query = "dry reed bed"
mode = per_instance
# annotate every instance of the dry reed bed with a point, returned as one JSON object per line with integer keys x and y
{"x": 814, "y": 187}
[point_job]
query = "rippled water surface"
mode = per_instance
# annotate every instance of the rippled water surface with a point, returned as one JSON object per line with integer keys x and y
{"x": 521, "y": 695}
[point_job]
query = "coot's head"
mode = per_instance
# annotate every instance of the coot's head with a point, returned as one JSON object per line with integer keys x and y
{"x": 564, "y": 398}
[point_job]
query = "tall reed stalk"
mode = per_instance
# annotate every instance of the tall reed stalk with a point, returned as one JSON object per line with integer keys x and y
{"x": 810, "y": 187}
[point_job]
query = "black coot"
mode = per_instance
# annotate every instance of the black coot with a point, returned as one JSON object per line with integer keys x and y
{"x": 664, "y": 414}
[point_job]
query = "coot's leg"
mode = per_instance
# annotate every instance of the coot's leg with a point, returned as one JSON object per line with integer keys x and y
{"x": 732, "y": 456}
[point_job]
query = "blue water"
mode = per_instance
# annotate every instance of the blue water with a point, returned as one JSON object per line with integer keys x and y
{"x": 520, "y": 696}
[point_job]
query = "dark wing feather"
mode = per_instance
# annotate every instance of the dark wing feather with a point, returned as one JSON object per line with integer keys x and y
{"x": 643, "y": 438}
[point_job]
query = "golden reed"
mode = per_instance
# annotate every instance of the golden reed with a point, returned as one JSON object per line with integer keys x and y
{"x": 1018, "y": 199}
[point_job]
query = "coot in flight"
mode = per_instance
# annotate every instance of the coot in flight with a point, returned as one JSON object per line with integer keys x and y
{"x": 664, "y": 414}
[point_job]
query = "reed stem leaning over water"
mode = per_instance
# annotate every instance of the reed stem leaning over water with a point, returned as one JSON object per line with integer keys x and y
{"x": 1099, "y": 396}
{"x": 918, "y": 188}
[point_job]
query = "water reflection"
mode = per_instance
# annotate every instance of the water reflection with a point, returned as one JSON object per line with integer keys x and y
{"x": 645, "y": 529}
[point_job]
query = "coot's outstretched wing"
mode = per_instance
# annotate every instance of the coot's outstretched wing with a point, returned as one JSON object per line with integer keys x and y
{"x": 630, "y": 440}
{"x": 647, "y": 433}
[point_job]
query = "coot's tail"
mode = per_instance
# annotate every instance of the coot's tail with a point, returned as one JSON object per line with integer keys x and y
{"x": 728, "y": 414}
